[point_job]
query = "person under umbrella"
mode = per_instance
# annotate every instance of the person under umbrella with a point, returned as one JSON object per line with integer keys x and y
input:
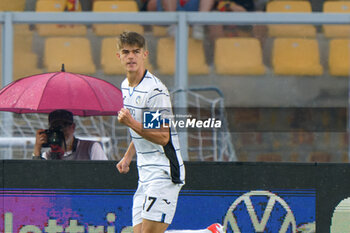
{"x": 62, "y": 142}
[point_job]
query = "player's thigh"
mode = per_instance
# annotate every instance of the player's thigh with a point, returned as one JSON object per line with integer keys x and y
{"x": 137, "y": 228}
{"x": 138, "y": 202}
{"x": 149, "y": 226}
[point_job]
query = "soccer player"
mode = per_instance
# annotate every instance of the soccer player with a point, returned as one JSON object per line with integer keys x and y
{"x": 160, "y": 166}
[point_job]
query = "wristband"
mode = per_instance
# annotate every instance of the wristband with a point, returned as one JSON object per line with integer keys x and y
{"x": 37, "y": 157}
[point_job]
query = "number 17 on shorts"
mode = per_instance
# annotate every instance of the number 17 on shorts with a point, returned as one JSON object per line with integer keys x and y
{"x": 156, "y": 205}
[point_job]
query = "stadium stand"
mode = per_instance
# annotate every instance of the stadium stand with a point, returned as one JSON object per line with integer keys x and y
{"x": 74, "y": 52}
{"x": 296, "y": 56}
{"x": 163, "y": 31}
{"x": 331, "y": 31}
{"x": 109, "y": 60}
{"x": 115, "y": 6}
{"x": 23, "y": 38}
{"x": 159, "y": 30}
{"x": 339, "y": 59}
{"x": 25, "y": 60}
{"x": 320, "y": 157}
{"x": 270, "y": 157}
{"x": 333, "y": 56}
{"x": 282, "y": 30}
{"x": 25, "y": 64}
{"x": 57, "y": 29}
{"x": 166, "y": 57}
{"x": 114, "y": 0}
{"x": 294, "y": 157}
{"x": 50, "y": 5}
{"x": 238, "y": 56}
{"x": 12, "y": 5}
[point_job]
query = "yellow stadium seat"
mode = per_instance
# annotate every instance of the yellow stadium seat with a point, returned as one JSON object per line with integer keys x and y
{"x": 283, "y": 30}
{"x": 166, "y": 57}
{"x": 336, "y": 30}
{"x": 238, "y": 56}
{"x": 25, "y": 64}
{"x": 339, "y": 57}
{"x": 55, "y": 5}
{"x": 61, "y": 30}
{"x": 23, "y": 42}
{"x": 163, "y": 31}
{"x": 12, "y": 5}
{"x": 289, "y": 6}
{"x": 50, "y": 5}
{"x": 57, "y": 29}
{"x": 22, "y": 28}
{"x": 110, "y": 62}
{"x": 22, "y": 38}
{"x": 74, "y": 52}
{"x": 115, "y": 6}
{"x": 159, "y": 30}
{"x": 296, "y": 56}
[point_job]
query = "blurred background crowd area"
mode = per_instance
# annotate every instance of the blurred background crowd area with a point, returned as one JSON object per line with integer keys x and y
{"x": 285, "y": 87}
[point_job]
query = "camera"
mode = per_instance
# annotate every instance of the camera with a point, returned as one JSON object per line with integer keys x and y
{"x": 55, "y": 136}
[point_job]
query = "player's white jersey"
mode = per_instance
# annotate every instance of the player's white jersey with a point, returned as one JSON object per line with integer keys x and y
{"x": 154, "y": 161}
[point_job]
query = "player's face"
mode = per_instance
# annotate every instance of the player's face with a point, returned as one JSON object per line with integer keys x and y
{"x": 132, "y": 58}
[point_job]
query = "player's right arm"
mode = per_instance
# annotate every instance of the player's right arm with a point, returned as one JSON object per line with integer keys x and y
{"x": 159, "y": 136}
{"x": 123, "y": 165}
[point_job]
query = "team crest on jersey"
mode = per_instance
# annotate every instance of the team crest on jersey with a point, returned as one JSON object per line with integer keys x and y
{"x": 138, "y": 99}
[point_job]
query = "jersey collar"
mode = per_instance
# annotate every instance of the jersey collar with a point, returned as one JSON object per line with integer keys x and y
{"x": 132, "y": 89}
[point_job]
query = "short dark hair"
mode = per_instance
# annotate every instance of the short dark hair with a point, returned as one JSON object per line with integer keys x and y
{"x": 61, "y": 115}
{"x": 131, "y": 38}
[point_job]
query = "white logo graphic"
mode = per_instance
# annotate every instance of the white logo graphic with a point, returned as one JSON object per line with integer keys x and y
{"x": 259, "y": 226}
{"x": 151, "y": 120}
{"x": 156, "y": 116}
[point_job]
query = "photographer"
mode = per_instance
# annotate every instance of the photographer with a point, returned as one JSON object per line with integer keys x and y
{"x": 63, "y": 145}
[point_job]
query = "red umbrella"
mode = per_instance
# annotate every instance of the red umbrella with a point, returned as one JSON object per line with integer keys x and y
{"x": 82, "y": 95}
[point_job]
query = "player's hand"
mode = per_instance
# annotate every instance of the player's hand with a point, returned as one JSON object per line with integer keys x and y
{"x": 124, "y": 117}
{"x": 123, "y": 166}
